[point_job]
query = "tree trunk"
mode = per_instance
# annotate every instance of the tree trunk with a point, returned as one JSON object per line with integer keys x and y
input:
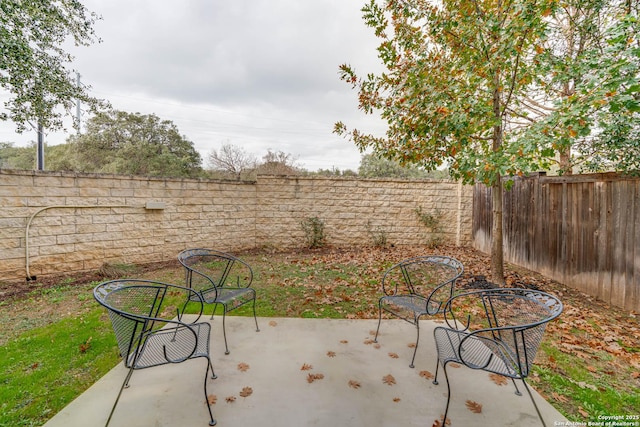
{"x": 497, "y": 252}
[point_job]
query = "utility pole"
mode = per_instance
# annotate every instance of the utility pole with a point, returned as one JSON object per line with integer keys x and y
{"x": 78, "y": 122}
{"x": 40, "y": 154}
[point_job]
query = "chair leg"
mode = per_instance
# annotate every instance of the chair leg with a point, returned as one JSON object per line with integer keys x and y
{"x": 534, "y": 402}
{"x": 224, "y": 329}
{"x": 213, "y": 374}
{"x": 446, "y": 377}
{"x": 254, "y": 314}
{"x": 415, "y": 349}
{"x": 206, "y": 394}
{"x": 516, "y": 386}
{"x": 375, "y": 339}
{"x": 125, "y": 384}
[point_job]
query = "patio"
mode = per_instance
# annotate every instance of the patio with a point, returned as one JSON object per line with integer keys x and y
{"x": 267, "y": 368}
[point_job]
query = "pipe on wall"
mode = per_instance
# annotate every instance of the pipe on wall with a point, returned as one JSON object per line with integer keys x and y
{"x": 39, "y": 211}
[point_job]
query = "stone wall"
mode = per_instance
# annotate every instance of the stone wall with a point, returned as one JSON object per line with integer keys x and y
{"x": 350, "y": 208}
{"x": 53, "y": 222}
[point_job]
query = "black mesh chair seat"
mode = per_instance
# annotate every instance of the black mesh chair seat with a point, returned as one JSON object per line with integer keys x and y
{"x": 418, "y": 287}
{"x": 495, "y": 330}
{"x": 176, "y": 342}
{"x": 219, "y": 278}
{"x": 147, "y": 318}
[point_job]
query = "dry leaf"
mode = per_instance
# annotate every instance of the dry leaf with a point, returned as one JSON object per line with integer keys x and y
{"x": 376, "y": 346}
{"x": 273, "y": 323}
{"x": 498, "y": 379}
{"x": 331, "y": 353}
{"x": 312, "y": 377}
{"x": 243, "y": 367}
{"x": 306, "y": 367}
{"x": 246, "y": 391}
{"x": 368, "y": 341}
{"x": 474, "y": 407}
{"x": 393, "y": 355}
{"x": 426, "y": 374}
{"x": 396, "y": 399}
{"x": 411, "y": 345}
{"x": 354, "y": 384}
{"x": 439, "y": 423}
{"x": 372, "y": 333}
{"x": 85, "y": 346}
{"x": 583, "y": 412}
{"x": 389, "y": 380}
{"x": 559, "y": 397}
{"x": 212, "y": 399}
{"x": 635, "y": 375}
{"x": 454, "y": 365}
{"x": 230, "y": 399}
{"x": 344, "y": 342}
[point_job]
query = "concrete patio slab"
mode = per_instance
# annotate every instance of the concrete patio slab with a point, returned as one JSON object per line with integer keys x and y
{"x": 351, "y": 392}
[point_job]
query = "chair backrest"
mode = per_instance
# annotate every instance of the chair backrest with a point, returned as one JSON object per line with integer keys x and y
{"x": 512, "y": 319}
{"x": 137, "y": 307}
{"x": 207, "y": 268}
{"x": 432, "y": 277}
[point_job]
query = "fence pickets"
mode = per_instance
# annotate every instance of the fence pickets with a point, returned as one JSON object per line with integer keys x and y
{"x": 582, "y": 230}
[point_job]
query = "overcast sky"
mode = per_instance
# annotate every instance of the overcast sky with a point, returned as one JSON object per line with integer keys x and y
{"x": 260, "y": 74}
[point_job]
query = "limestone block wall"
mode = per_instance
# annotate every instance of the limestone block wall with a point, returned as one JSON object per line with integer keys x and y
{"x": 52, "y": 222}
{"x": 64, "y": 223}
{"x": 351, "y": 207}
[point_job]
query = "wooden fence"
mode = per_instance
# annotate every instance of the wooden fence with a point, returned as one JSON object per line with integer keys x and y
{"x": 583, "y": 231}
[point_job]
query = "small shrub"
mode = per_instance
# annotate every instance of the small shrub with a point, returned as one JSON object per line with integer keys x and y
{"x": 432, "y": 223}
{"x": 313, "y": 228}
{"x": 378, "y": 235}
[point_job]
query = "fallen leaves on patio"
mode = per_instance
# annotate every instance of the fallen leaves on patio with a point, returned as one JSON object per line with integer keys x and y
{"x": 439, "y": 423}
{"x": 388, "y": 379}
{"x": 230, "y": 399}
{"x": 393, "y": 355}
{"x": 426, "y": 374}
{"x": 396, "y": 399}
{"x": 273, "y": 323}
{"x": 474, "y": 407}
{"x": 314, "y": 377}
{"x": 243, "y": 367}
{"x": 212, "y": 399}
{"x": 354, "y": 384}
{"x": 306, "y": 367}
{"x": 246, "y": 392}
{"x": 498, "y": 379}
{"x": 331, "y": 353}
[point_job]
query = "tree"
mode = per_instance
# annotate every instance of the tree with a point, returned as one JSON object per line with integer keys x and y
{"x": 455, "y": 72}
{"x": 278, "y": 163}
{"x": 33, "y": 66}
{"x": 375, "y": 166}
{"x": 17, "y": 157}
{"x": 586, "y": 105}
{"x": 232, "y": 160}
{"x": 133, "y": 144}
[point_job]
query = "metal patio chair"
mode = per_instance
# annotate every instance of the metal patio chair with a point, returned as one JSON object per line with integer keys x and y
{"x": 219, "y": 278}
{"x": 147, "y": 318}
{"x": 417, "y": 287}
{"x": 495, "y": 330}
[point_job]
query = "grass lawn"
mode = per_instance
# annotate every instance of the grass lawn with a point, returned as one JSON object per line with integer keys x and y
{"x": 57, "y": 341}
